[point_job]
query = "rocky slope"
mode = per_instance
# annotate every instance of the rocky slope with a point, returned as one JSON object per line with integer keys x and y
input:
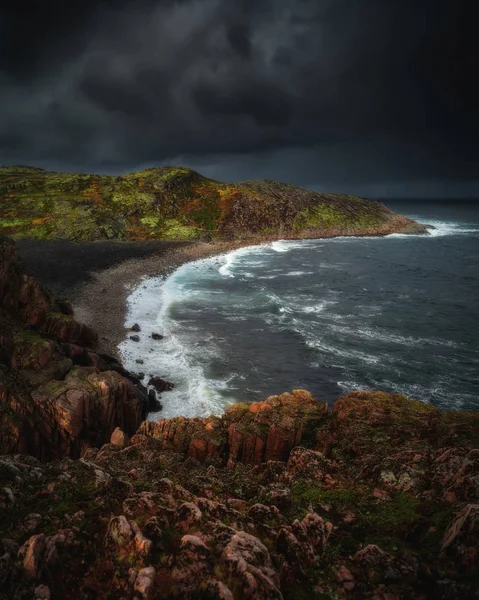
{"x": 178, "y": 203}
{"x": 57, "y": 395}
{"x": 278, "y": 499}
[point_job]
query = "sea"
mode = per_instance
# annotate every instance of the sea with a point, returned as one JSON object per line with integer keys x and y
{"x": 398, "y": 313}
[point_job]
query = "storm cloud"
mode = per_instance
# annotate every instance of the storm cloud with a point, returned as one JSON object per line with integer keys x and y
{"x": 366, "y": 96}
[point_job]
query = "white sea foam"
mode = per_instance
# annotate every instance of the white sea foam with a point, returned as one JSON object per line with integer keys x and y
{"x": 441, "y": 229}
{"x": 230, "y": 259}
{"x": 317, "y": 308}
{"x": 184, "y": 355}
{"x": 349, "y": 354}
{"x": 176, "y": 356}
{"x": 280, "y": 246}
{"x": 389, "y": 337}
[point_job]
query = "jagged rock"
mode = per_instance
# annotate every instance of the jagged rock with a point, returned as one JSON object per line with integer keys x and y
{"x": 119, "y": 438}
{"x": 119, "y": 531}
{"x": 254, "y": 433}
{"x": 145, "y": 583}
{"x": 160, "y": 385}
{"x": 5, "y": 568}
{"x": 248, "y": 562}
{"x": 53, "y": 408}
{"x": 191, "y": 567}
{"x": 31, "y": 554}
{"x": 303, "y": 462}
{"x": 7, "y": 498}
{"x": 217, "y": 590}
{"x": 269, "y": 430}
{"x": 461, "y": 540}
{"x": 154, "y": 405}
{"x": 345, "y": 578}
{"x": 136, "y": 327}
{"x": 42, "y": 592}
{"x": 301, "y": 543}
{"x": 187, "y": 515}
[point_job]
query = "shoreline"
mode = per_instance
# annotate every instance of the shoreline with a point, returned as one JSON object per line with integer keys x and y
{"x": 112, "y": 287}
{"x": 97, "y": 277}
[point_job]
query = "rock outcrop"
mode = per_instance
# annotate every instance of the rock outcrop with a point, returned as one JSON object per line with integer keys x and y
{"x": 58, "y": 396}
{"x": 378, "y": 500}
{"x": 246, "y": 433}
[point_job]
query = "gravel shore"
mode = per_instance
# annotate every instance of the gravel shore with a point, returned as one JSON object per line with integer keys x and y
{"x": 97, "y": 277}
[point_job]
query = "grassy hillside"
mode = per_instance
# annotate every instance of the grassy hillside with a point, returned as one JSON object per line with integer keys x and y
{"x": 177, "y": 203}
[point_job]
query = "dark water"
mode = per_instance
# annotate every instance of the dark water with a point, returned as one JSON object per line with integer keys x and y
{"x": 398, "y": 313}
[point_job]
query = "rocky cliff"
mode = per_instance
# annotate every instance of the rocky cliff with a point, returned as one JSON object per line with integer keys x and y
{"x": 278, "y": 499}
{"x": 180, "y": 204}
{"x": 57, "y": 395}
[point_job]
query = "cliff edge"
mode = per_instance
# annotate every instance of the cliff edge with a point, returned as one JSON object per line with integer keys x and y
{"x": 57, "y": 395}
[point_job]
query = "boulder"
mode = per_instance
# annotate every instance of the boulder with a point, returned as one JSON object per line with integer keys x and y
{"x": 145, "y": 584}
{"x": 119, "y": 438}
{"x": 461, "y": 539}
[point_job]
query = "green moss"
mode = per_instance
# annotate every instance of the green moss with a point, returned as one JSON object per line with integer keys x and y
{"x": 174, "y": 230}
{"x": 169, "y": 203}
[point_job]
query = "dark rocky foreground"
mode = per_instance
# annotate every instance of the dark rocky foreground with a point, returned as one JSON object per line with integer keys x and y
{"x": 58, "y": 396}
{"x": 277, "y": 499}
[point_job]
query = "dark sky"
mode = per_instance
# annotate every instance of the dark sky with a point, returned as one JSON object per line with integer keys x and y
{"x": 374, "y": 97}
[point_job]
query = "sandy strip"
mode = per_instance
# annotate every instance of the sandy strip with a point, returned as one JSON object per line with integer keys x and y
{"x": 101, "y": 303}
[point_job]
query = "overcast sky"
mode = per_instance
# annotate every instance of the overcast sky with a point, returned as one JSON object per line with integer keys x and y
{"x": 373, "y": 97}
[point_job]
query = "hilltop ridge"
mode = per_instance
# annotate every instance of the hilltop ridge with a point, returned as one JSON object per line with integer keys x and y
{"x": 177, "y": 203}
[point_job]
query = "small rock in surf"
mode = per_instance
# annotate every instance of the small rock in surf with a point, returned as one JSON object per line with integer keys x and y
{"x": 161, "y": 385}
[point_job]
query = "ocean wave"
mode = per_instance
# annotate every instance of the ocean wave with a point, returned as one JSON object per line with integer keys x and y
{"x": 441, "y": 229}
{"x": 298, "y": 273}
{"x": 389, "y": 337}
{"x": 349, "y": 354}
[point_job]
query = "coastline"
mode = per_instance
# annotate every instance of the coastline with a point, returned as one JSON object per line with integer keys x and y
{"x": 113, "y": 285}
{"x": 97, "y": 277}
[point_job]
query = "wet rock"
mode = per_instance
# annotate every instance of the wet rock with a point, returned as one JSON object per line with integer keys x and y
{"x": 160, "y": 385}
{"x": 157, "y": 336}
{"x": 136, "y": 327}
{"x": 154, "y": 405}
{"x": 135, "y": 338}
